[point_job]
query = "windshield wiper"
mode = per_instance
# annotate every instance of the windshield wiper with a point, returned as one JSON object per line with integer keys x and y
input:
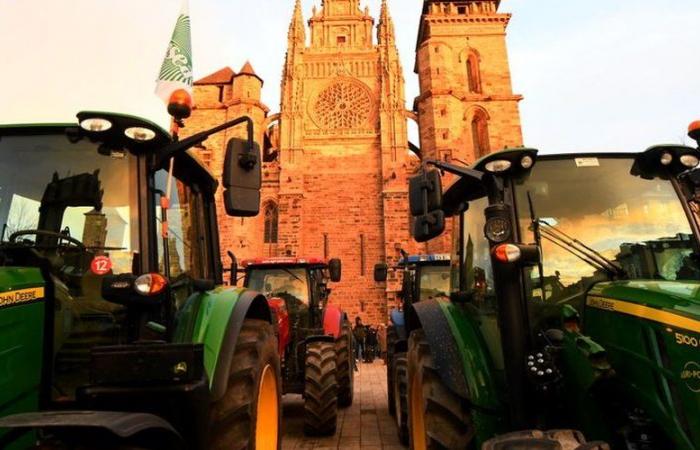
{"x": 292, "y": 274}
{"x": 535, "y": 227}
{"x": 579, "y": 249}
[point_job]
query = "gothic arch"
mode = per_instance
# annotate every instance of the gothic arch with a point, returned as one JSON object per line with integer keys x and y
{"x": 471, "y": 60}
{"x": 479, "y": 126}
{"x": 271, "y": 222}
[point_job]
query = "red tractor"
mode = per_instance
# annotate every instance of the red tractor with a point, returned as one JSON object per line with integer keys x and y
{"x": 315, "y": 338}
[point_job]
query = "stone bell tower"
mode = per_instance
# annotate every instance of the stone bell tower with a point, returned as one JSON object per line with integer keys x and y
{"x": 466, "y": 107}
{"x": 343, "y": 147}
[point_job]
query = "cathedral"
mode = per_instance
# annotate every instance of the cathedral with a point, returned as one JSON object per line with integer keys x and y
{"x": 336, "y": 153}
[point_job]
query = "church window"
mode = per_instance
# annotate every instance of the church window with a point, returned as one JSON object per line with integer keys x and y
{"x": 480, "y": 134}
{"x": 271, "y": 223}
{"x": 342, "y": 105}
{"x": 473, "y": 74}
{"x": 221, "y": 93}
{"x": 341, "y": 40}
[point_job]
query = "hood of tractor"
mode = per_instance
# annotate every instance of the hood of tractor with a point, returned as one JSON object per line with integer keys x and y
{"x": 677, "y": 297}
{"x": 650, "y": 331}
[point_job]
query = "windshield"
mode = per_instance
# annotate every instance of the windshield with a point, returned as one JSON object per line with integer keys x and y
{"x": 434, "y": 281}
{"x": 75, "y": 207}
{"x": 276, "y": 282}
{"x": 639, "y": 225}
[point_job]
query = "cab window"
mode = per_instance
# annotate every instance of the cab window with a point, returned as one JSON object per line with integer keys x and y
{"x": 188, "y": 234}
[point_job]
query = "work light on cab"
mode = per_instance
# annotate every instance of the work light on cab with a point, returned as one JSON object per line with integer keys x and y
{"x": 526, "y": 162}
{"x": 95, "y": 124}
{"x": 666, "y": 158}
{"x": 150, "y": 284}
{"x": 689, "y": 160}
{"x": 498, "y": 165}
{"x": 140, "y": 134}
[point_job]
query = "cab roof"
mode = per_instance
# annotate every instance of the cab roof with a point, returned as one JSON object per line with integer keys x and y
{"x": 284, "y": 261}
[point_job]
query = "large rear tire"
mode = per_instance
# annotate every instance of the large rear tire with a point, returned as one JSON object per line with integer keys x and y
{"x": 401, "y": 396}
{"x": 248, "y": 415}
{"x": 345, "y": 364}
{"x": 320, "y": 390}
{"x": 391, "y": 338}
{"x": 438, "y": 417}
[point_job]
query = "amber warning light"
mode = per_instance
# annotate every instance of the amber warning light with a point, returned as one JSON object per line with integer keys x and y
{"x": 694, "y": 131}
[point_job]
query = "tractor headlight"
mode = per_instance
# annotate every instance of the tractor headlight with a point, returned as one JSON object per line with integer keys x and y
{"x": 140, "y": 134}
{"x": 498, "y": 165}
{"x": 497, "y": 229}
{"x": 689, "y": 161}
{"x": 150, "y": 284}
{"x": 95, "y": 124}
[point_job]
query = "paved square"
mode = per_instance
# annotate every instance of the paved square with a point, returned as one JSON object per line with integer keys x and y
{"x": 365, "y": 425}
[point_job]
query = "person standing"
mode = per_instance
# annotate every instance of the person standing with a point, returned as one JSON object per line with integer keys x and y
{"x": 360, "y": 334}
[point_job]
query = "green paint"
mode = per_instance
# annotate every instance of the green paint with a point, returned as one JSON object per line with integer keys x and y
{"x": 21, "y": 347}
{"x": 656, "y": 361}
{"x": 482, "y": 378}
{"x": 204, "y": 319}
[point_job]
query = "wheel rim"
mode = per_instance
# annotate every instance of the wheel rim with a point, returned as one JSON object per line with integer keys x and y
{"x": 267, "y": 421}
{"x": 417, "y": 419}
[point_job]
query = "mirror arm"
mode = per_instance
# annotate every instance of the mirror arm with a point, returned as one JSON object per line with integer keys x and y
{"x": 184, "y": 144}
{"x": 455, "y": 169}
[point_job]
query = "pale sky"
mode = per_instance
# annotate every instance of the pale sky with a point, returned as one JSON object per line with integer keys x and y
{"x": 597, "y": 75}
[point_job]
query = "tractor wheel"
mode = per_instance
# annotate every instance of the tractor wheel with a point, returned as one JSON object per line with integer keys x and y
{"x": 391, "y": 338}
{"x": 438, "y": 417}
{"x": 401, "y": 396}
{"x": 543, "y": 440}
{"x": 320, "y": 390}
{"x": 248, "y": 415}
{"x": 345, "y": 365}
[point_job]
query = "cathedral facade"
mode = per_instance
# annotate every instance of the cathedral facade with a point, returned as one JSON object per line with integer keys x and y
{"x": 336, "y": 155}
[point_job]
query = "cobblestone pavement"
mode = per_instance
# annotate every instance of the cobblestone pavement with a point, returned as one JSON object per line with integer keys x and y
{"x": 365, "y": 425}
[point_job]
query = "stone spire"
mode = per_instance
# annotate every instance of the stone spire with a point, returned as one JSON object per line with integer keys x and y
{"x": 385, "y": 31}
{"x": 297, "y": 30}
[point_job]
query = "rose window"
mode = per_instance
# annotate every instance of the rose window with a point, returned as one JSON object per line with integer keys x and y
{"x": 342, "y": 105}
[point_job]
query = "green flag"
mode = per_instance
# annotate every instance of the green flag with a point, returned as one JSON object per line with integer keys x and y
{"x": 176, "y": 71}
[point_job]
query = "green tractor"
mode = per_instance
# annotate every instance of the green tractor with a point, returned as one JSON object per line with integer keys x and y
{"x": 115, "y": 329}
{"x": 423, "y": 277}
{"x": 574, "y": 304}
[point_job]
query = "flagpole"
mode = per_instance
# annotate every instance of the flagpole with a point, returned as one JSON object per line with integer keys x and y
{"x": 174, "y": 86}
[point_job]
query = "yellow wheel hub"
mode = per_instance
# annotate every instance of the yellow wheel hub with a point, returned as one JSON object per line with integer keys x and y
{"x": 417, "y": 425}
{"x": 267, "y": 420}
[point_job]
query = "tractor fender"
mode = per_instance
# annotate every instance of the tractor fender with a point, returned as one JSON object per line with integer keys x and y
{"x": 215, "y": 318}
{"x": 398, "y": 320}
{"x": 459, "y": 350}
{"x": 333, "y": 321}
{"x": 102, "y": 425}
{"x": 250, "y": 305}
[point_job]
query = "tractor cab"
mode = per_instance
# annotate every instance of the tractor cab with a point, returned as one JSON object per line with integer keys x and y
{"x": 298, "y": 286}
{"x": 108, "y": 228}
{"x": 580, "y": 273}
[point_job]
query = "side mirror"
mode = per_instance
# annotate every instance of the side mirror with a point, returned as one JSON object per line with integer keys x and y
{"x": 425, "y": 192}
{"x": 334, "y": 267}
{"x": 425, "y": 201}
{"x": 242, "y": 179}
{"x": 381, "y": 271}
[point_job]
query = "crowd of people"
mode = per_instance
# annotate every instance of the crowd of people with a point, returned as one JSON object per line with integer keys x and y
{"x": 370, "y": 342}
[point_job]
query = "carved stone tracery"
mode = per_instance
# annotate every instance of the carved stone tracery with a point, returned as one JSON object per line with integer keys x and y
{"x": 342, "y": 105}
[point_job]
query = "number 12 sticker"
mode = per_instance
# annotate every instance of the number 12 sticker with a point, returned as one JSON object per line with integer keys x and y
{"x": 101, "y": 265}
